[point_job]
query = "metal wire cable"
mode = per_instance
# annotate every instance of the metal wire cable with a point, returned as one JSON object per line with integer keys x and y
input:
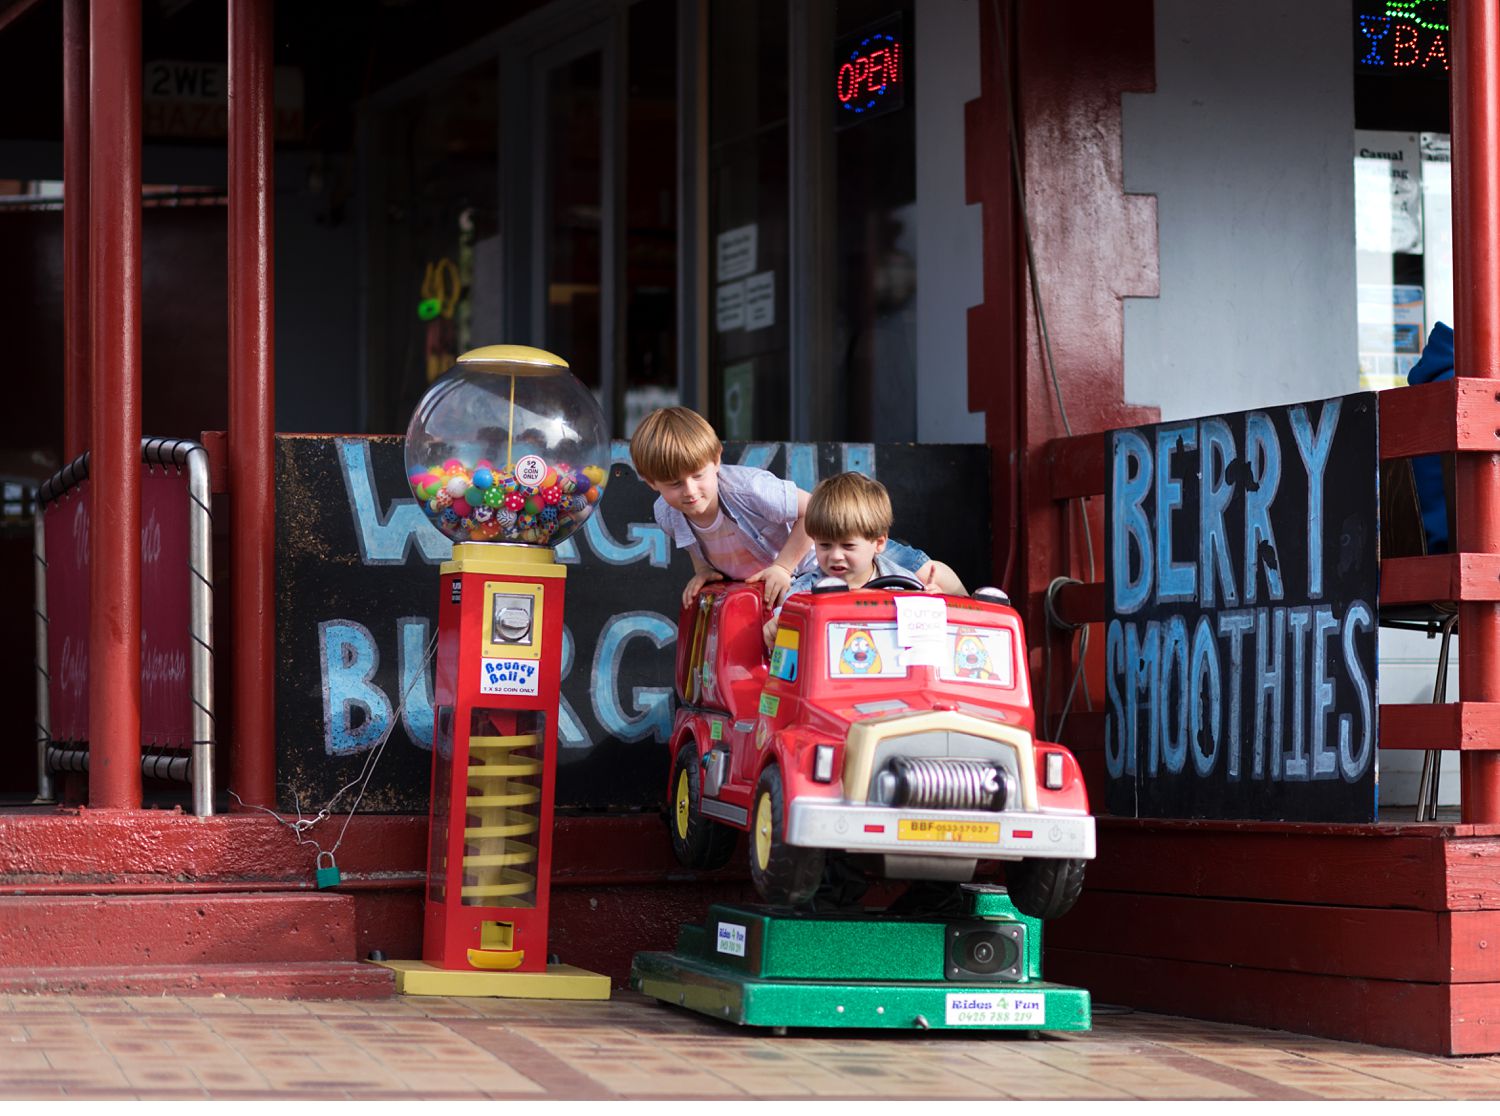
{"x": 372, "y": 757}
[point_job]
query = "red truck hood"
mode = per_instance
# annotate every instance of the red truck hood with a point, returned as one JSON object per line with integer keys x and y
{"x": 835, "y": 719}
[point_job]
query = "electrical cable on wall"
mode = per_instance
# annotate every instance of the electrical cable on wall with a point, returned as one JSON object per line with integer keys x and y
{"x": 1055, "y": 620}
{"x": 1018, "y": 175}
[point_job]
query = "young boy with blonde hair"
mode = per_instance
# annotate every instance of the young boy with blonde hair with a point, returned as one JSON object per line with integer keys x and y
{"x": 849, "y": 520}
{"x": 735, "y": 521}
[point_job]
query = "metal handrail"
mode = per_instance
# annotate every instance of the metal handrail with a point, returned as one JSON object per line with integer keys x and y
{"x": 43, "y": 697}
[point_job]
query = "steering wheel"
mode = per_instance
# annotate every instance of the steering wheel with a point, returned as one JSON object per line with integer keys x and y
{"x": 895, "y": 581}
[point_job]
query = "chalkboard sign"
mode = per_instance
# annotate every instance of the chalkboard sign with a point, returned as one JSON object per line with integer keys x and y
{"x": 357, "y": 594}
{"x": 1241, "y": 570}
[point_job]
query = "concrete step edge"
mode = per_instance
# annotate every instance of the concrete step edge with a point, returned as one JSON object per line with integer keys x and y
{"x": 284, "y": 981}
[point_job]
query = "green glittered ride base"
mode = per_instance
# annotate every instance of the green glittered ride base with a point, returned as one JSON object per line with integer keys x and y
{"x": 766, "y": 967}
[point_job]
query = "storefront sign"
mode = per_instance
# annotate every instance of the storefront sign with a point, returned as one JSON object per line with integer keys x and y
{"x": 190, "y": 100}
{"x": 870, "y": 72}
{"x": 1401, "y": 37}
{"x": 1241, "y": 572}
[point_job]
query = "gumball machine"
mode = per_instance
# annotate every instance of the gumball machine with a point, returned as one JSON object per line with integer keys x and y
{"x": 507, "y": 454}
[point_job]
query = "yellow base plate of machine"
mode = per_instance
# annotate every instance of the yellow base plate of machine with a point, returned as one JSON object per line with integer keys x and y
{"x": 559, "y": 982}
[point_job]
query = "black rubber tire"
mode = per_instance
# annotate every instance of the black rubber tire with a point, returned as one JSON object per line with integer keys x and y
{"x": 699, "y": 842}
{"x": 785, "y": 875}
{"x": 1044, "y": 888}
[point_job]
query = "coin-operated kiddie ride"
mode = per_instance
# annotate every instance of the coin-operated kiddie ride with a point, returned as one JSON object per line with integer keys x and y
{"x": 507, "y": 454}
{"x": 890, "y": 735}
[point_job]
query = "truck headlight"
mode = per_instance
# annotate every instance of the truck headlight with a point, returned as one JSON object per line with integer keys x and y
{"x": 823, "y": 763}
{"x": 1052, "y": 777}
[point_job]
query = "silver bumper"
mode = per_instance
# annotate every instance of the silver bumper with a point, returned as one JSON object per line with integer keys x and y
{"x": 957, "y": 833}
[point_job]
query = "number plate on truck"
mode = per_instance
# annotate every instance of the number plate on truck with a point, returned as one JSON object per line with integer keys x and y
{"x": 922, "y": 829}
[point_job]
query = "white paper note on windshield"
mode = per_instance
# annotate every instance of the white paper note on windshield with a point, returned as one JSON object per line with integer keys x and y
{"x": 922, "y": 630}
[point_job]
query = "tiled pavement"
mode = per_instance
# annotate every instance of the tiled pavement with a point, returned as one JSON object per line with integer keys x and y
{"x": 630, "y": 1047}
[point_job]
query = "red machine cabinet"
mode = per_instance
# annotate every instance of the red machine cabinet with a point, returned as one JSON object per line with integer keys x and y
{"x": 494, "y": 757}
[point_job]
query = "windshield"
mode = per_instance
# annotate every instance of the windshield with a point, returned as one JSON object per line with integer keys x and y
{"x": 857, "y": 650}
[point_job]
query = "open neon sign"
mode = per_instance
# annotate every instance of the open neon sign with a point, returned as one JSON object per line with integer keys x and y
{"x": 870, "y": 71}
{"x": 1402, "y": 37}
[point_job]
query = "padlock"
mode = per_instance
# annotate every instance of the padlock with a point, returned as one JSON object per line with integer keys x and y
{"x": 328, "y": 876}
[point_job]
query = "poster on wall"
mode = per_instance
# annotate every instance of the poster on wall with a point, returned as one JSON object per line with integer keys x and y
{"x": 1391, "y": 333}
{"x": 1437, "y": 227}
{"x": 1391, "y": 257}
{"x": 1241, "y": 574}
{"x": 739, "y": 399}
{"x": 760, "y": 301}
{"x": 729, "y": 306}
{"x": 735, "y": 257}
{"x": 1387, "y": 192}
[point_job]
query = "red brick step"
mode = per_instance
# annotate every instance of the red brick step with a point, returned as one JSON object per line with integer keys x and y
{"x": 244, "y": 929}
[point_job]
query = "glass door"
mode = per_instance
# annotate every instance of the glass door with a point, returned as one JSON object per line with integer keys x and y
{"x": 574, "y": 167}
{"x": 597, "y": 207}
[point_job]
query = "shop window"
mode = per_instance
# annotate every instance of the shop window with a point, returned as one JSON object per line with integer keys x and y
{"x": 434, "y": 246}
{"x": 1403, "y": 243}
{"x": 856, "y": 108}
{"x": 875, "y": 266}
{"x": 749, "y": 356}
{"x": 575, "y": 205}
{"x": 1402, "y": 184}
{"x": 649, "y": 376}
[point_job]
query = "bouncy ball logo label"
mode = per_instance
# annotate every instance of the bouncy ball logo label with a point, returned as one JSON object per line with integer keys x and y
{"x": 508, "y": 676}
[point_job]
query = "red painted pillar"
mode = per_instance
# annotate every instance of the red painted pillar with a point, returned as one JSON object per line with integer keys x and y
{"x": 1094, "y": 245}
{"x": 115, "y": 433}
{"x": 1476, "y": 267}
{"x": 75, "y": 228}
{"x": 252, "y": 398}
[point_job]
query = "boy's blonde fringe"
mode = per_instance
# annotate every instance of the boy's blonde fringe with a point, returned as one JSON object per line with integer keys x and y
{"x": 673, "y": 442}
{"x": 848, "y": 506}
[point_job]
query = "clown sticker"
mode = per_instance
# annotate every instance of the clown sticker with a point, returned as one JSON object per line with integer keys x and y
{"x": 864, "y": 651}
{"x": 860, "y": 655}
{"x": 979, "y": 655}
{"x": 971, "y": 659}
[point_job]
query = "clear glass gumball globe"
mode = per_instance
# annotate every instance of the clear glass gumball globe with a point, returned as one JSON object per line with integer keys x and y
{"x": 508, "y": 446}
